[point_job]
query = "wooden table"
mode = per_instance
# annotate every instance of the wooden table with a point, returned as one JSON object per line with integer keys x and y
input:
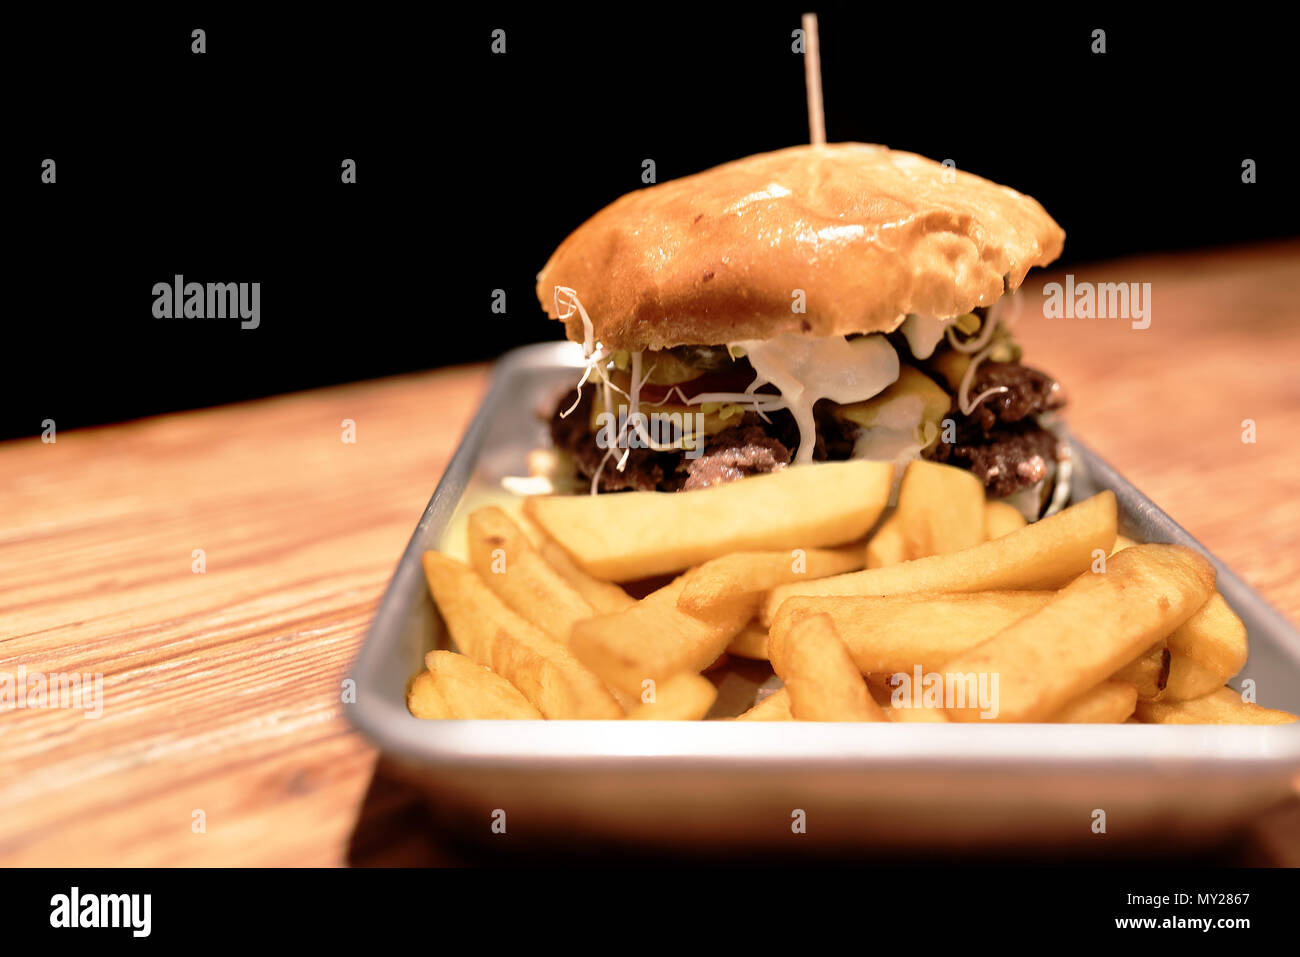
{"x": 222, "y": 689}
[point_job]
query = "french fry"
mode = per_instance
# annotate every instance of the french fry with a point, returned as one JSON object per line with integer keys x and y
{"x": 1090, "y": 630}
{"x": 1122, "y": 542}
{"x": 639, "y": 534}
{"x": 952, "y": 584}
{"x": 1206, "y": 650}
{"x": 775, "y": 707}
{"x": 1190, "y": 679}
{"x": 654, "y": 639}
{"x": 1148, "y": 672}
{"x": 508, "y": 563}
{"x": 1224, "y": 706}
{"x": 1111, "y": 702}
{"x": 823, "y": 682}
{"x": 915, "y": 697}
{"x": 683, "y": 697}
{"x": 940, "y": 509}
{"x": 424, "y": 701}
{"x": 750, "y": 643}
{"x": 902, "y": 708}
{"x": 1001, "y": 519}
{"x": 750, "y": 574}
{"x": 454, "y": 540}
{"x": 455, "y": 687}
{"x": 912, "y": 715}
{"x": 604, "y": 597}
{"x": 492, "y": 634}
{"x": 1047, "y": 554}
{"x": 897, "y": 632}
{"x": 886, "y": 546}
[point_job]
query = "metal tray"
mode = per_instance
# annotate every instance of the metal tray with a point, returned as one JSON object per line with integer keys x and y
{"x": 721, "y": 784}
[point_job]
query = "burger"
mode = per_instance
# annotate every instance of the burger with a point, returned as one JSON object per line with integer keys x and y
{"x": 815, "y": 303}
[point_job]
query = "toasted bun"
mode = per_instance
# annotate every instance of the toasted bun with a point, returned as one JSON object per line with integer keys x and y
{"x": 868, "y": 233}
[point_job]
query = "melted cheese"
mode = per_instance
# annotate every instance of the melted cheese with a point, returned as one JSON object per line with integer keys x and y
{"x": 923, "y": 333}
{"x": 901, "y": 422}
{"x": 808, "y": 368}
{"x": 913, "y": 399}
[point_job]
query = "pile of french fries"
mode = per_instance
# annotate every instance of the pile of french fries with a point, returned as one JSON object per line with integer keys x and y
{"x": 1078, "y": 624}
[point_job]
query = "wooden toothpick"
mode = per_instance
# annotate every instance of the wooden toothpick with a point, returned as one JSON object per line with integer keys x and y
{"x": 812, "y": 71}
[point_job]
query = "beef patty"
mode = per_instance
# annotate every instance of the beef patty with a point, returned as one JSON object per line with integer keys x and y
{"x": 1001, "y": 441}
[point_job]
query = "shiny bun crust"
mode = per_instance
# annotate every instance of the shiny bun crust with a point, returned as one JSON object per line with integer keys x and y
{"x": 868, "y": 234}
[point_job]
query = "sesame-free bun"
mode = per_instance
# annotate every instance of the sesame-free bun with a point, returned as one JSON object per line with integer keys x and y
{"x": 869, "y": 234}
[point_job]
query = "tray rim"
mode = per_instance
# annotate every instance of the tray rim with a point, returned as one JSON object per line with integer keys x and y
{"x": 784, "y": 746}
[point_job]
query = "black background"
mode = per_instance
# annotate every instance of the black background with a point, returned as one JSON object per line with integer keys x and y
{"x": 473, "y": 166}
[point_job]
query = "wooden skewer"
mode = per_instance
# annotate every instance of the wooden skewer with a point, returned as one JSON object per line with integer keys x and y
{"x": 812, "y": 71}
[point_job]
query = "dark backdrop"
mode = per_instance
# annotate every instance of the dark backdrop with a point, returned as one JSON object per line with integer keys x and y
{"x": 473, "y": 166}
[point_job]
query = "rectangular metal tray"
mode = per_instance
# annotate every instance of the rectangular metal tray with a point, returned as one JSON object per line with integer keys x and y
{"x": 722, "y": 783}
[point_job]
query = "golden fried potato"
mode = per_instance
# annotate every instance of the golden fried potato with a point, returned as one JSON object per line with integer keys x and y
{"x": 1206, "y": 650}
{"x": 740, "y": 575}
{"x": 1190, "y": 679}
{"x": 604, "y": 597}
{"x": 897, "y": 632}
{"x": 940, "y": 509}
{"x": 639, "y": 534}
{"x": 901, "y": 703}
{"x": 750, "y": 643}
{"x": 456, "y": 687}
{"x": 823, "y": 682}
{"x": 1091, "y": 629}
{"x": 1111, "y": 702}
{"x": 886, "y": 546}
{"x": 1047, "y": 554}
{"x": 1148, "y": 672}
{"x": 656, "y": 640}
{"x": 683, "y": 697}
{"x": 488, "y": 631}
{"x": 1224, "y": 706}
{"x": 1001, "y": 519}
{"x": 914, "y": 715}
{"x": 508, "y": 563}
{"x": 1122, "y": 542}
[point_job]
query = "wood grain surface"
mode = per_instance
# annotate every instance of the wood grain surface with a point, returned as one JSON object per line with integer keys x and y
{"x": 221, "y": 690}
